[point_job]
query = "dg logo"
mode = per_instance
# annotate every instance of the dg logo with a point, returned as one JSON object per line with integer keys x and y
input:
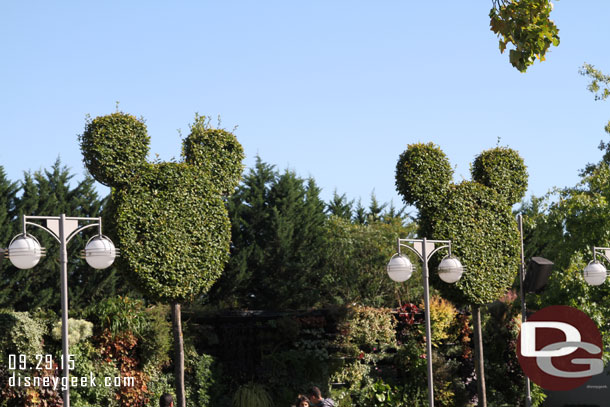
{"x": 560, "y": 348}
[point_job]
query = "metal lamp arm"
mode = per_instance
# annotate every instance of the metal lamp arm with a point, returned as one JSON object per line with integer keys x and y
{"x": 412, "y": 249}
{"x": 601, "y": 252}
{"x": 448, "y": 246}
{"x": 49, "y": 231}
{"x": 80, "y": 229}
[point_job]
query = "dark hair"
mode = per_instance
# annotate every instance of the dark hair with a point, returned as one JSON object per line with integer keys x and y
{"x": 166, "y": 400}
{"x": 315, "y": 391}
{"x": 302, "y": 398}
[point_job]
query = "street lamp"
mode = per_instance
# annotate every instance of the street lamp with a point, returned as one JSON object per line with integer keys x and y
{"x": 450, "y": 270}
{"x": 25, "y": 251}
{"x": 595, "y": 272}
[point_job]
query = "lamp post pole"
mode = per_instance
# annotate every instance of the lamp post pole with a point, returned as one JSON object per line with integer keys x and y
{"x": 63, "y": 264}
{"x": 450, "y": 270}
{"x": 25, "y": 252}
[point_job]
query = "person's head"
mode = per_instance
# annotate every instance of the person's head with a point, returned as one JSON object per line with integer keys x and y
{"x": 166, "y": 400}
{"x": 302, "y": 401}
{"x": 314, "y": 395}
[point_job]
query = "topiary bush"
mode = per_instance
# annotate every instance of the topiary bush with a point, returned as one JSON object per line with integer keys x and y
{"x": 475, "y": 215}
{"x": 169, "y": 218}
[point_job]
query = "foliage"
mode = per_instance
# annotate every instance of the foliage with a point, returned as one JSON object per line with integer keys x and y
{"x": 355, "y": 256}
{"x": 601, "y": 93}
{"x": 367, "y": 331}
{"x": 502, "y": 170}
{"x": 175, "y": 208}
{"x": 475, "y": 215}
{"x": 21, "y": 335}
{"x": 203, "y": 379}
{"x": 277, "y": 239}
{"x": 442, "y": 316}
{"x": 114, "y": 148}
{"x": 149, "y": 325}
{"x": 121, "y": 350}
{"x": 428, "y": 163}
{"x": 526, "y": 24}
{"x": 78, "y": 330}
{"x": 88, "y": 362}
{"x": 21, "y": 396}
{"x": 288, "y": 253}
{"x": 252, "y": 395}
{"x": 118, "y": 314}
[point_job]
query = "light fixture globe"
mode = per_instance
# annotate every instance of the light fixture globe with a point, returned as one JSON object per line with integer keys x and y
{"x": 24, "y": 251}
{"x": 100, "y": 252}
{"x": 399, "y": 268}
{"x": 450, "y": 270}
{"x": 595, "y": 273}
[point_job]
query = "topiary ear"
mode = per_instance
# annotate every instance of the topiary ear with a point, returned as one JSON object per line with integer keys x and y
{"x": 423, "y": 174}
{"x": 114, "y": 148}
{"x": 216, "y": 152}
{"x": 502, "y": 169}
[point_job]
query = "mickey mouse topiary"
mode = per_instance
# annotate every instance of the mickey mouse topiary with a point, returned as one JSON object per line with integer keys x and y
{"x": 169, "y": 217}
{"x": 475, "y": 215}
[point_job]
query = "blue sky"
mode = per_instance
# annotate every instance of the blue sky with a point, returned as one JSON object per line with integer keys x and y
{"x": 333, "y": 90}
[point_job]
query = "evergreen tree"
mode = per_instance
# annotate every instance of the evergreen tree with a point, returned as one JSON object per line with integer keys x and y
{"x": 340, "y": 206}
{"x": 360, "y": 215}
{"x": 375, "y": 209}
{"x": 277, "y": 237}
{"x": 8, "y": 229}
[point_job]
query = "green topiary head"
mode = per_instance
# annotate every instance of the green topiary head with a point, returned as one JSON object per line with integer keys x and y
{"x": 503, "y": 170}
{"x": 114, "y": 148}
{"x": 215, "y": 152}
{"x": 475, "y": 215}
{"x": 169, "y": 218}
{"x": 423, "y": 174}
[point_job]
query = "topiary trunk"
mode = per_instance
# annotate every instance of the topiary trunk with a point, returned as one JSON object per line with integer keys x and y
{"x": 178, "y": 355}
{"x": 479, "y": 364}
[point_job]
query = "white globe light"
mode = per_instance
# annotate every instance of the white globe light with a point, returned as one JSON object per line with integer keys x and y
{"x": 399, "y": 268}
{"x": 595, "y": 273}
{"x": 24, "y": 251}
{"x": 100, "y": 252}
{"x": 450, "y": 270}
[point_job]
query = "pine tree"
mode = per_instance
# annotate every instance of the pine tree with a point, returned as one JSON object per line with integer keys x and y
{"x": 340, "y": 206}
{"x": 277, "y": 236}
{"x": 248, "y": 211}
{"x": 8, "y": 229}
{"x": 375, "y": 209}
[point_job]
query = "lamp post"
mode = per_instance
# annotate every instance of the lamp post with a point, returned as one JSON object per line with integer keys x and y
{"x": 450, "y": 270}
{"x": 25, "y": 251}
{"x": 595, "y": 272}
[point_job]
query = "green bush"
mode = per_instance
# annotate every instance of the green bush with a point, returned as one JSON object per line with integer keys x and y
{"x": 78, "y": 330}
{"x": 21, "y": 335}
{"x": 251, "y": 395}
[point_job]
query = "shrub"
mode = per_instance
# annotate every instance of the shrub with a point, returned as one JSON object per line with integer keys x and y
{"x": 21, "y": 335}
{"x": 252, "y": 395}
{"x": 78, "y": 330}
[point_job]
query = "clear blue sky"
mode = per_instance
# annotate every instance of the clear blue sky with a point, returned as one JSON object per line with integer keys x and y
{"x": 329, "y": 89}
